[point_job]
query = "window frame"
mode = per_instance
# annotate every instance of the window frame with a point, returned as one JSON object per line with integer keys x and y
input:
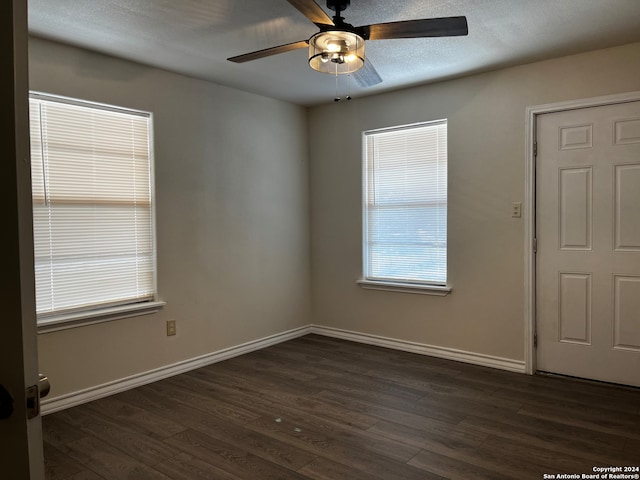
{"x": 372, "y": 283}
{"x": 50, "y": 322}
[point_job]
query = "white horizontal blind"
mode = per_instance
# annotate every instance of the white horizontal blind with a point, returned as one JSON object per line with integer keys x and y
{"x": 92, "y": 206}
{"x": 405, "y": 204}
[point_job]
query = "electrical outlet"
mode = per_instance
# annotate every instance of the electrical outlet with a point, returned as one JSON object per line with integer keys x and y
{"x": 171, "y": 327}
{"x": 516, "y": 209}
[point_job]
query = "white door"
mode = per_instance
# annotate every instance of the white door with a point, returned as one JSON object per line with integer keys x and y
{"x": 588, "y": 238}
{"x": 20, "y": 436}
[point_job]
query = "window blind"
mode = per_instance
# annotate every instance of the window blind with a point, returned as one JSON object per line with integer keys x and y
{"x": 405, "y": 204}
{"x": 92, "y": 206}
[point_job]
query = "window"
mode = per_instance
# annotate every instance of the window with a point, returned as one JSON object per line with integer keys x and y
{"x": 92, "y": 207}
{"x": 405, "y": 207}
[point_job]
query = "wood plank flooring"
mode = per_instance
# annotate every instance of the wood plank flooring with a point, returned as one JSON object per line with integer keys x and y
{"x": 328, "y": 409}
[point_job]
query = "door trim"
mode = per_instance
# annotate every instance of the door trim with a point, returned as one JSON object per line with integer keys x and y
{"x": 529, "y": 212}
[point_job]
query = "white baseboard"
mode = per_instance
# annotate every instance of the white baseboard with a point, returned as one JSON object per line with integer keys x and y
{"x": 423, "y": 349}
{"x": 99, "y": 391}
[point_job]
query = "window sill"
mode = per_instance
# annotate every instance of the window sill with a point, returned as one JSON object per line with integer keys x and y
{"x": 81, "y": 319}
{"x": 437, "y": 290}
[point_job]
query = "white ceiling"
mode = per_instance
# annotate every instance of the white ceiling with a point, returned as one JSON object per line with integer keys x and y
{"x": 195, "y": 37}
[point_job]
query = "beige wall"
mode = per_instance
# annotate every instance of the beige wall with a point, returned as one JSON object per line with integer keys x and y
{"x": 233, "y": 203}
{"x": 485, "y": 312}
{"x": 231, "y": 176}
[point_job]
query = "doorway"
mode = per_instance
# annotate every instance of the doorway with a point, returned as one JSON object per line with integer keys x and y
{"x": 585, "y": 229}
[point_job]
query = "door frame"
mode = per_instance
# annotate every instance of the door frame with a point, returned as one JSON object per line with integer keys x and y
{"x": 529, "y": 212}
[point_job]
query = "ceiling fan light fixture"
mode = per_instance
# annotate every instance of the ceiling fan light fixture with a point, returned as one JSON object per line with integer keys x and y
{"x": 336, "y": 52}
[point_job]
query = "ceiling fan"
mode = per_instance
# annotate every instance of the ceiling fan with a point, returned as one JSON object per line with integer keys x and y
{"x": 338, "y": 48}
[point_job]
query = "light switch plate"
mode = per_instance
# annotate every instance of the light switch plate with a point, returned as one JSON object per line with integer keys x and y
{"x": 171, "y": 328}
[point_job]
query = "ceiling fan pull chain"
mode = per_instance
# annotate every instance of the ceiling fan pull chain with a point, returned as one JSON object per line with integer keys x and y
{"x": 336, "y": 98}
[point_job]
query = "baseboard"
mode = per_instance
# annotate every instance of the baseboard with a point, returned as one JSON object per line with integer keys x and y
{"x": 99, "y": 391}
{"x": 83, "y": 396}
{"x": 423, "y": 349}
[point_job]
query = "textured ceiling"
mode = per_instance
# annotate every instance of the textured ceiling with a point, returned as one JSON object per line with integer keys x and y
{"x": 195, "y": 37}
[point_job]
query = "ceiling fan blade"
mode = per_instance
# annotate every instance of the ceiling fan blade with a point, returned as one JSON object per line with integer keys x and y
{"x": 428, "y": 27}
{"x": 312, "y": 11}
{"x": 267, "y": 52}
{"x": 367, "y": 76}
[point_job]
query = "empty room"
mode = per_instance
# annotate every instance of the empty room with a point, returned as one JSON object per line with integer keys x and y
{"x": 331, "y": 239}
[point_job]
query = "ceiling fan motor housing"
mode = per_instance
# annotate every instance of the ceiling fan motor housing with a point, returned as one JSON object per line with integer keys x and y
{"x": 338, "y": 5}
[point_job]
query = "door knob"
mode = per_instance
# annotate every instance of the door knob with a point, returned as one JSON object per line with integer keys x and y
{"x": 35, "y": 393}
{"x": 45, "y": 386}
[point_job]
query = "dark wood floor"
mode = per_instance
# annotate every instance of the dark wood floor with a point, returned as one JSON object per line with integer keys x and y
{"x": 321, "y": 408}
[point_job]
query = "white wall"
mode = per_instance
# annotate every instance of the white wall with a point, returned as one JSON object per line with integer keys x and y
{"x": 485, "y": 312}
{"x": 231, "y": 176}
